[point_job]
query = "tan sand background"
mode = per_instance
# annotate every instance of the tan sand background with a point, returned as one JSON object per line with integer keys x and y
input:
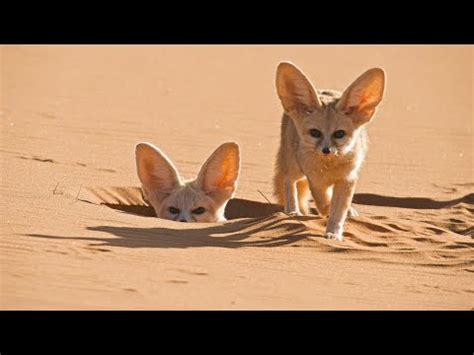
{"x": 71, "y": 116}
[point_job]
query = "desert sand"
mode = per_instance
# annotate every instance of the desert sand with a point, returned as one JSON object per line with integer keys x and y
{"x": 76, "y": 234}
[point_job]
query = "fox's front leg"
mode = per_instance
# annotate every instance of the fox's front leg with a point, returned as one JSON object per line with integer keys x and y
{"x": 291, "y": 197}
{"x": 340, "y": 204}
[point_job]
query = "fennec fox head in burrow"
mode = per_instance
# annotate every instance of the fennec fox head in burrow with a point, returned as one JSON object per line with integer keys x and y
{"x": 200, "y": 200}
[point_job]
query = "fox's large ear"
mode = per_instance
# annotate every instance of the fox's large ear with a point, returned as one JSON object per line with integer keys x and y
{"x": 294, "y": 88}
{"x": 155, "y": 171}
{"x": 218, "y": 175}
{"x": 362, "y": 97}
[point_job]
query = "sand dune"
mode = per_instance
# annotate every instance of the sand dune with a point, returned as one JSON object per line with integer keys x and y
{"x": 76, "y": 233}
{"x": 418, "y": 239}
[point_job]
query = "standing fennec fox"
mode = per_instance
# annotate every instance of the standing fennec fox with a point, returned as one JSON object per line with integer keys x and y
{"x": 323, "y": 143}
{"x": 200, "y": 200}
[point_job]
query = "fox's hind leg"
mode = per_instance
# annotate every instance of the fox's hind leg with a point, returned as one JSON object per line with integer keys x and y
{"x": 302, "y": 187}
{"x": 322, "y": 198}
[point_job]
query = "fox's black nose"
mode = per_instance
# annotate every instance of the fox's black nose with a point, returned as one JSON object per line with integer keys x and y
{"x": 182, "y": 220}
{"x": 326, "y": 150}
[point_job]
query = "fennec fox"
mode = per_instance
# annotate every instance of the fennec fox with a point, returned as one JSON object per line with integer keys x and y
{"x": 323, "y": 143}
{"x": 200, "y": 200}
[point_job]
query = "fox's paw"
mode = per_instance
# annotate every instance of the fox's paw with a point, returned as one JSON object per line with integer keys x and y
{"x": 294, "y": 214}
{"x": 334, "y": 232}
{"x": 323, "y": 211}
{"x": 334, "y": 236}
{"x": 352, "y": 212}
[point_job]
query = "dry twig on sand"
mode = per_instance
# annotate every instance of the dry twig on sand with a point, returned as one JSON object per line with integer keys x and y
{"x": 286, "y": 214}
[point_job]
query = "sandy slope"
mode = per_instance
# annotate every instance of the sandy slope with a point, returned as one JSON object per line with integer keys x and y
{"x": 75, "y": 233}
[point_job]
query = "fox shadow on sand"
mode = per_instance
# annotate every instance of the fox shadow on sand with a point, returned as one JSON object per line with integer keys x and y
{"x": 233, "y": 234}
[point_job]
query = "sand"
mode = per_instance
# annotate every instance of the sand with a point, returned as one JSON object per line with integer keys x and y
{"x": 75, "y": 233}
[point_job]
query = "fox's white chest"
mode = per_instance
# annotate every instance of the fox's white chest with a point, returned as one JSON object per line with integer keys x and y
{"x": 331, "y": 169}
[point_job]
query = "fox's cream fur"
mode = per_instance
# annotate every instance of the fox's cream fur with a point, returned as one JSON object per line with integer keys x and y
{"x": 200, "y": 200}
{"x": 313, "y": 158}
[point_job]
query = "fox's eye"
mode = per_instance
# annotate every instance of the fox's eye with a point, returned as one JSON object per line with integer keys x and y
{"x": 199, "y": 210}
{"x": 316, "y": 133}
{"x": 173, "y": 210}
{"x": 339, "y": 134}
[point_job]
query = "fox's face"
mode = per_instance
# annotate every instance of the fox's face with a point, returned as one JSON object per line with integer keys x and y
{"x": 200, "y": 200}
{"x": 326, "y": 132}
{"x": 328, "y": 122}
